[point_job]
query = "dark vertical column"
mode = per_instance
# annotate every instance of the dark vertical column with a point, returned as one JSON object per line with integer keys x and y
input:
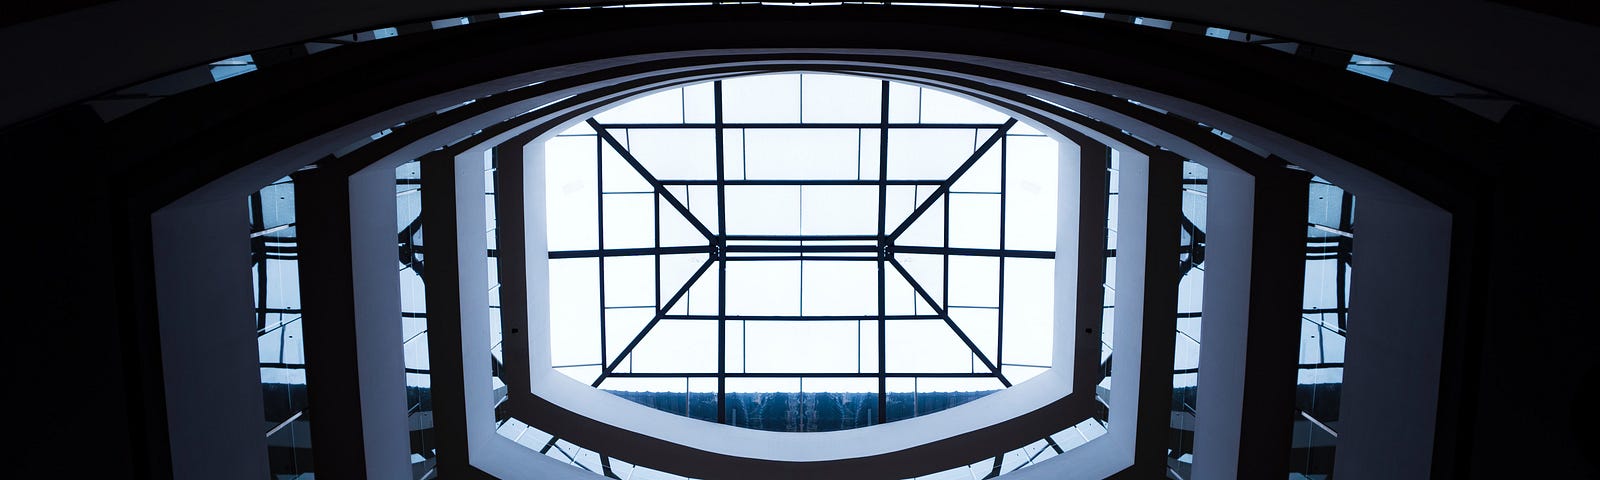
{"x": 458, "y": 308}
{"x": 1393, "y": 348}
{"x": 516, "y": 244}
{"x": 1148, "y": 218}
{"x": 600, "y": 235}
{"x": 722, "y": 263}
{"x": 1000, "y": 312}
{"x": 1081, "y": 241}
{"x": 350, "y": 292}
{"x": 1255, "y": 275}
{"x": 883, "y": 240}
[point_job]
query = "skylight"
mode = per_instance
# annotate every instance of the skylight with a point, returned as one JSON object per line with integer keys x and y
{"x": 801, "y": 252}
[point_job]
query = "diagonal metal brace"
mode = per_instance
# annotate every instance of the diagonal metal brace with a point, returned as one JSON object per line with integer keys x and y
{"x": 653, "y": 321}
{"x": 654, "y": 183}
{"x": 952, "y": 323}
{"x": 945, "y": 186}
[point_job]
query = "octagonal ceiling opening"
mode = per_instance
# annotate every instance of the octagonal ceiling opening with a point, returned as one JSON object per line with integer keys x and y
{"x": 801, "y": 252}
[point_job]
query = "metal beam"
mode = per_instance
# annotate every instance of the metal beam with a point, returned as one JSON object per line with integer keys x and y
{"x": 789, "y": 182}
{"x": 722, "y": 259}
{"x": 800, "y": 318}
{"x": 353, "y": 343}
{"x": 628, "y": 252}
{"x": 653, "y": 321}
{"x": 799, "y": 126}
{"x": 945, "y": 314}
{"x": 807, "y": 258}
{"x": 972, "y": 252}
{"x": 656, "y": 184}
{"x": 883, "y": 222}
{"x": 803, "y": 238}
{"x": 795, "y": 375}
{"x": 801, "y": 249}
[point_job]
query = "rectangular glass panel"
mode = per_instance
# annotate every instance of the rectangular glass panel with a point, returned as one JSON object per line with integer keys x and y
{"x": 676, "y": 154}
{"x": 840, "y": 99}
{"x": 975, "y": 281}
{"x": 974, "y": 220}
{"x": 928, "y": 230}
{"x": 941, "y": 107}
{"x": 870, "y": 152}
{"x": 703, "y": 295}
{"x": 795, "y": 154}
{"x": 678, "y": 346}
{"x": 816, "y": 346}
{"x": 761, "y": 99}
{"x": 698, "y": 103}
{"x": 570, "y": 193}
{"x": 984, "y": 176}
{"x": 928, "y": 153}
{"x": 928, "y": 270}
{"x": 618, "y": 174}
{"x": 763, "y": 210}
{"x": 982, "y": 326}
{"x": 665, "y": 106}
{"x": 1032, "y": 169}
{"x": 574, "y": 311}
{"x": 763, "y": 288}
{"x": 839, "y": 288}
{"x": 926, "y": 346}
{"x": 839, "y": 210}
{"x": 629, "y": 220}
{"x": 1029, "y": 310}
{"x": 905, "y": 103}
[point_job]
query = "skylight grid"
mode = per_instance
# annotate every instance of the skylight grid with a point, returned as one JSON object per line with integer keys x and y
{"x": 798, "y": 235}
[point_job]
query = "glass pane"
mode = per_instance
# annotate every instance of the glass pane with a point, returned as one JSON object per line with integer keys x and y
{"x": 974, "y": 220}
{"x": 677, "y": 153}
{"x": 1029, "y": 311}
{"x": 926, "y": 346}
{"x": 929, "y": 153}
{"x": 664, "y": 106}
{"x": 800, "y": 347}
{"x": 840, "y": 99}
{"x": 792, "y": 154}
{"x": 763, "y": 210}
{"x": 838, "y": 288}
{"x": 761, "y": 99}
{"x": 629, "y": 220}
{"x": 836, "y": 210}
{"x": 763, "y": 288}
{"x": 571, "y": 195}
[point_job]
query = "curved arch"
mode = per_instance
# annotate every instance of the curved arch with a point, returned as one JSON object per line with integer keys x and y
{"x": 499, "y": 59}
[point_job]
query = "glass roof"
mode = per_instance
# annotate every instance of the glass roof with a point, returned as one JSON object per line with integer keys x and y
{"x": 801, "y": 252}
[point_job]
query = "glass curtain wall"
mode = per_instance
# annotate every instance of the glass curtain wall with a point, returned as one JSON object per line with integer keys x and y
{"x": 274, "y": 264}
{"x": 1186, "y": 352}
{"x": 1330, "y": 236}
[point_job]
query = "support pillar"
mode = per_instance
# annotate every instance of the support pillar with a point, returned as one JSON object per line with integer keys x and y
{"x": 211, "y": 371}
{"x": 350, "y": 290}
{"x": 1255, "y": 276}
{"x": 1393, "y": 349}
{"x": 458, "y": 308}
{"x": 1082, "y": 241}
{"x": 1148, "y": 218}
